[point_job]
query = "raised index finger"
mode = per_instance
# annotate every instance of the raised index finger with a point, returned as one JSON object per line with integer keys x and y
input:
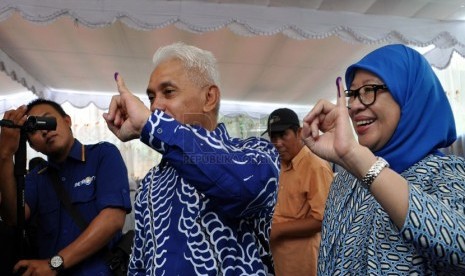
{"x": 122, "y": 89}
{"x": 115, "y": 102}
{"x": 341, "y": 99}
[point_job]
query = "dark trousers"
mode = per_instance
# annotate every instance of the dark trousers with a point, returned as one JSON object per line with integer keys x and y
{"x": 7, "y": 249}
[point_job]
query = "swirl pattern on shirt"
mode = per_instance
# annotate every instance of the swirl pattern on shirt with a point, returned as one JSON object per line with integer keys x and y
{"x": 199, "y": 218}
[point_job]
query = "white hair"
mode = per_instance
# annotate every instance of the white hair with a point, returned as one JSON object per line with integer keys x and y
{"x": 200, "y": 64}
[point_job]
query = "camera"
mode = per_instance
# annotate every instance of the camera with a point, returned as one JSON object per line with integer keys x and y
{"x": 34, "y": 123}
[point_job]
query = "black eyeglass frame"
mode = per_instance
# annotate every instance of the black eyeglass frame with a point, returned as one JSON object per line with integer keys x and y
{"x": 356, "y": 93}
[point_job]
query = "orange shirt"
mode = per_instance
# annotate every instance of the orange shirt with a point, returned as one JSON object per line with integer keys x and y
{"x": 303, "y": 189}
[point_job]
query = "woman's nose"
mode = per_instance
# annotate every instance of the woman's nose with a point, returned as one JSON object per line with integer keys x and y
{"x": 355, "y": 104}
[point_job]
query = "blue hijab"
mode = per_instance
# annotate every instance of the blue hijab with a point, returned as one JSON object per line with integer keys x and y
{"x": 426, "y": 121}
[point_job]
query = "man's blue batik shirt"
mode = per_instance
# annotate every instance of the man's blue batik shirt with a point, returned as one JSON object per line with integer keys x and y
{"x": 206, "y": 209}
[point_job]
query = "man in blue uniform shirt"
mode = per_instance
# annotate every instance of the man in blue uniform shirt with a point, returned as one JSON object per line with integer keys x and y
{"x": 95, "y": 179}
{"x": 206, "y": 209}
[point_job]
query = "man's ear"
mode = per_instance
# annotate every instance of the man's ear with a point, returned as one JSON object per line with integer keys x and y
{"x": 68, "y": 121}
{"x": 299, "y": 134}
{"x": 212, "y": 98}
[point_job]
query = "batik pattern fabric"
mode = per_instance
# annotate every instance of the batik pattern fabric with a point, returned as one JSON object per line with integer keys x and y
{"x": 358, "y": 237}
{"x": 206, "y": 209}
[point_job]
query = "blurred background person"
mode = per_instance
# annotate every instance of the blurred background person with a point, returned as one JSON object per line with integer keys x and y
{"x": 304, "y": 182}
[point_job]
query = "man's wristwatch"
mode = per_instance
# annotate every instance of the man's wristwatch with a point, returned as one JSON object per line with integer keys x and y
{"x": 56, "y": 263}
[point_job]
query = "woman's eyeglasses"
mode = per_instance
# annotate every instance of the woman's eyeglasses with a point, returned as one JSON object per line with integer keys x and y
{"x": 365, "y": 94}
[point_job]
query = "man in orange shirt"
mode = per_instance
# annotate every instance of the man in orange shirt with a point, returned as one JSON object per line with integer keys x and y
{"x": 304, "y": 183}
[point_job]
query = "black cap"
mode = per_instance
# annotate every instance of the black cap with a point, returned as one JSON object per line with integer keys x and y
{"x": 281, "y": 119}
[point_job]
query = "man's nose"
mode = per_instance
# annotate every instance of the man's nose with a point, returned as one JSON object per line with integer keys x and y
{"x": 159, "y": 104}
{"x": 277, "y": 141}
{"x": 44, "y": 132}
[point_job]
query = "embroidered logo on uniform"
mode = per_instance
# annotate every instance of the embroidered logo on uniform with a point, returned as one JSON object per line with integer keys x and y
{"x": 85, "y": 182}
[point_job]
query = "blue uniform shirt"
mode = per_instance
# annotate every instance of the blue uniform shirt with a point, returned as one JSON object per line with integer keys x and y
{"x": 95, "y": 178}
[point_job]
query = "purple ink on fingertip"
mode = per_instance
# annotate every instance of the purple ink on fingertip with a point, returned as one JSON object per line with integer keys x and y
{"x": 116, "y": 75}
{"x": 338, "y": 82}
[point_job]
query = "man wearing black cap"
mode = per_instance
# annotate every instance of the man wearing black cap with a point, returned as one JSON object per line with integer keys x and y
{"x": 303, "y": 188}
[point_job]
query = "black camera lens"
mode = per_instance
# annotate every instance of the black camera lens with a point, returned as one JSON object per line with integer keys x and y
{"x": 34, "y": 123}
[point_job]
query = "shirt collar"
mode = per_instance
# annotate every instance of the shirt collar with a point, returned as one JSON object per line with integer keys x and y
{"x": 297, "y": 159}
{"x": 77, "y": 152}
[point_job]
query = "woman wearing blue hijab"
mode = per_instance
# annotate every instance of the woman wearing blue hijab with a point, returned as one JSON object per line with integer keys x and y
{"x": 398, "y": 207}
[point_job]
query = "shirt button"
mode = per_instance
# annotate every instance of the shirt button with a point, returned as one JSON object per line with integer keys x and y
{"x": 63, "y": 178}
{"x": 159, "y": 131}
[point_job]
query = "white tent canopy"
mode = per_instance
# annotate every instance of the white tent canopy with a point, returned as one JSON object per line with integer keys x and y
{"x": 273, "y": 51}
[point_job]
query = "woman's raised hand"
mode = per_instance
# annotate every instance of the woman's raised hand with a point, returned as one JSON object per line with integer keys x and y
{"x": 327, "y": 130}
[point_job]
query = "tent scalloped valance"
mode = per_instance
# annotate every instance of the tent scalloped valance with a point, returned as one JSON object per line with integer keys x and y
{"x": 448, "y": 37}
{"x": 250, "y": 20}
{"x": 18, "y": 74}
